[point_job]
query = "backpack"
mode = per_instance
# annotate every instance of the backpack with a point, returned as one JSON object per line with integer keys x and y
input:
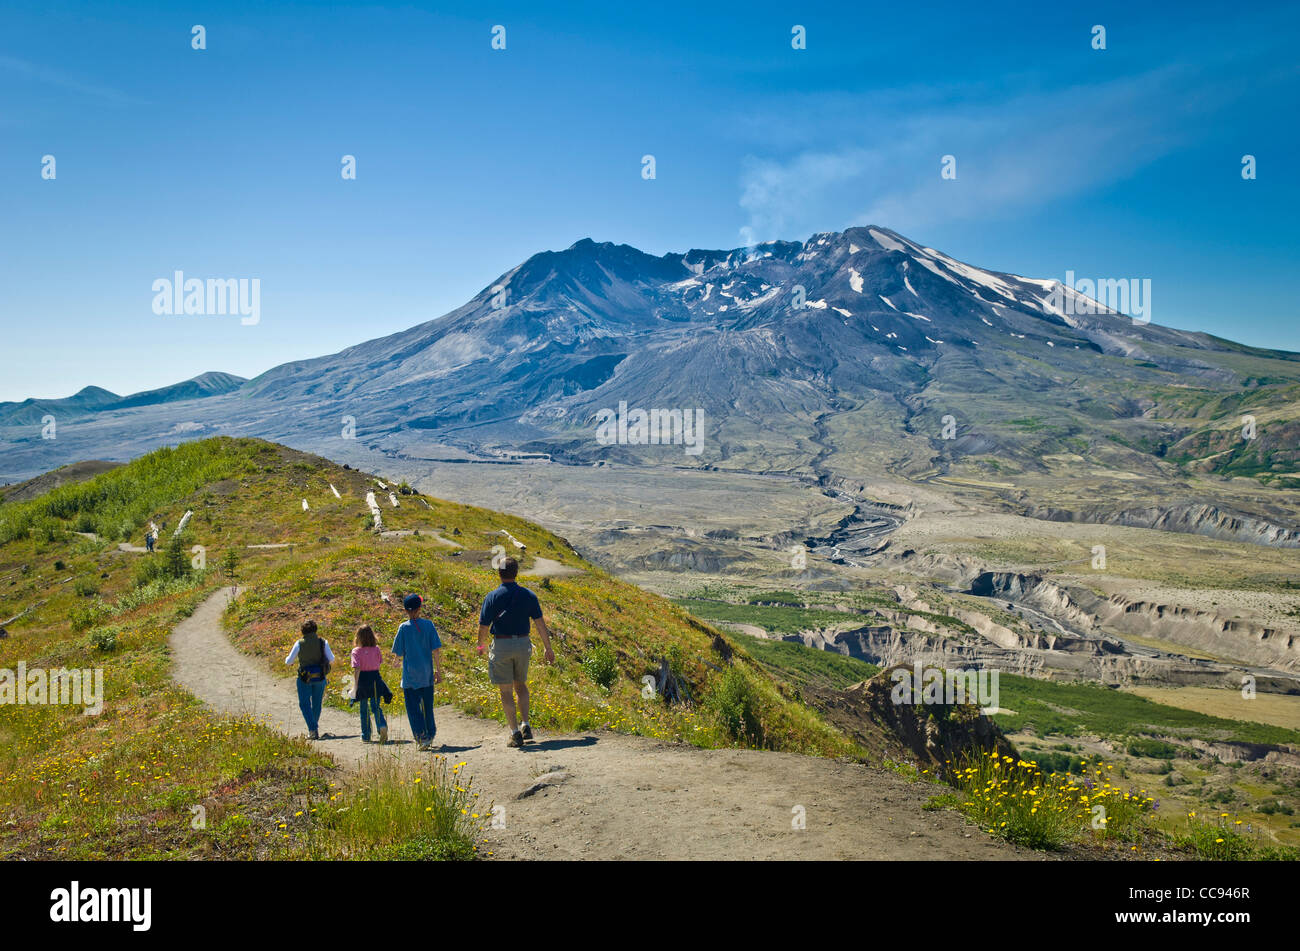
{"x": 308, "y": 672}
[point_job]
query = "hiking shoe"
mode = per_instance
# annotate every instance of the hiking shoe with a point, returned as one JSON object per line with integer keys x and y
{"x": 526, "y": 732}
{"x": 516, "y": 740}
{"x": 313, "y": 735}
{"x": 383, "y": 734}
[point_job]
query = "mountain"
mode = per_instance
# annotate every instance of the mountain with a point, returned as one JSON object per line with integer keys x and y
{"x": 901, "y": 360}
{"x": 94, "y": 399}
{"x": 30, "y": 411}
{"x": 893, "y": 338}
{"x": 201, "y": 386}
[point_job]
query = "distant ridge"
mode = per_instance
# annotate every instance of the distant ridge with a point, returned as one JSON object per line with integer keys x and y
{"x": 95, "y": 399}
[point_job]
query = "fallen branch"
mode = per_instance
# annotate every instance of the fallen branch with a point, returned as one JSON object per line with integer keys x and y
{"x": 23, "y": 613}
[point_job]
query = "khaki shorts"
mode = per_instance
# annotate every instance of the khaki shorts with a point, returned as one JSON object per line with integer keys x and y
{"x": 508, "y": 660}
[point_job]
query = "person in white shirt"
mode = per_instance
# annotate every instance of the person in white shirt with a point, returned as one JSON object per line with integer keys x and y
{"x": 314, "y": 658}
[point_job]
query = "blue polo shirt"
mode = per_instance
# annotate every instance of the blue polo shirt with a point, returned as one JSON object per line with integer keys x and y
{"x": 508, "y": 609}
{"x": 415, "y": 644}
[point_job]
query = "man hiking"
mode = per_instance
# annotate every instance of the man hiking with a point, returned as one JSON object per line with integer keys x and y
{"x": 505, "y": 615}
{"x": 420, "y": 648}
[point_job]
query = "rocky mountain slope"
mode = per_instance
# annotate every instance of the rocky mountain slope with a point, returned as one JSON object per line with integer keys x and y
{"x": 842, "y": 357}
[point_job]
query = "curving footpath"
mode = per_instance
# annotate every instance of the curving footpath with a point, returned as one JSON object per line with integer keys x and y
{"x": 603, "y": 795}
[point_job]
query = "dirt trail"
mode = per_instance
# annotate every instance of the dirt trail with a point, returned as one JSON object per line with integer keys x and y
{"x": 549, "y": 568}
{"x": 604, "y": 795}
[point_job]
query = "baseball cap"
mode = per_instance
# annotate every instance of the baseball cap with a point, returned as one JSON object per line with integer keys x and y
{"x": 412, "y": 601}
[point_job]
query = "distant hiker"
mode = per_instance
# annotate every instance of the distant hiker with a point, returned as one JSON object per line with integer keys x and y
{"x": 418, "y": 645}
{"x": 150, "y": 536}
{"x": 366, "y": 658}
{"x": 314, "y": 658}
{"x": 505, "y": 615}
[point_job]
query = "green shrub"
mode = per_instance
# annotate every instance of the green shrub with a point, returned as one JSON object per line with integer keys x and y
{"x": 177, "y": 560}
{"x": 149, "y": 570}
{"x": 942, "y": 801}
{"x": 104, "y": 638}
{"x": 1052, "y": 762}
{"x": 85, "y": 588}
{"x": 1155, "y": 749}
{"x": 84, "y": 618}
{"x": 1217, "y": 841}
{"x": 601, "y": 665}
{"x": 1015, "y": 800}
{"x": 734, "y": 703}
{"x": 390, "y": 814}
{"x": 158, "y": 588}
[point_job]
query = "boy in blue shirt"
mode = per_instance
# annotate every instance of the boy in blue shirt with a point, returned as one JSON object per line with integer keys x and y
{"x": 420, "y": 648}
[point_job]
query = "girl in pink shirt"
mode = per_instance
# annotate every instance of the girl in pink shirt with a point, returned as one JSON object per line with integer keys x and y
{"x": 366, "y": 659}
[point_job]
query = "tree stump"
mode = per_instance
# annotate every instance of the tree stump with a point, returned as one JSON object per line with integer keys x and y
{"x": 668, "y": 685}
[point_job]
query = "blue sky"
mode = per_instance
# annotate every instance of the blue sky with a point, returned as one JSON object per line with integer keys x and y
{"x": 225, "y": 162}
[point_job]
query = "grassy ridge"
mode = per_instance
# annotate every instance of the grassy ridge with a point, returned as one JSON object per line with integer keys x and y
{"x": 117, "y": 505}
{"x": 131, "y": 782}
{"x": 154, "y": 775}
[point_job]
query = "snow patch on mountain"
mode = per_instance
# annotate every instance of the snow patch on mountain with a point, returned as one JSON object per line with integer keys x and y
{"x": 983, "y": 278}
{"x": 930, "y": 265}
{"x": 885, "y": 241}
{"x": 761, "y": 299}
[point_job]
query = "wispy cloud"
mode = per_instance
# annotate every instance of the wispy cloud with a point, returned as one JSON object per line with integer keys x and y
{"x": 1013, "y": 150}
{"x": 53, "y": 77}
